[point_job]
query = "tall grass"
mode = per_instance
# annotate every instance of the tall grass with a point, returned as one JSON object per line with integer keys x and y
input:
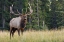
{"x": 34, "y": 36}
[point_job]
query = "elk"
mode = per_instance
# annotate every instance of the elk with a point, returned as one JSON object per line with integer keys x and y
{"x": 18, "y": 23}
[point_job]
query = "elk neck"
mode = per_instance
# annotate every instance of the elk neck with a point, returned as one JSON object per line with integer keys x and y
{"x": 22, "y": 22}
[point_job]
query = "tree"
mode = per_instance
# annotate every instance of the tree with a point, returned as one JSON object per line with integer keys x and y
{"x": 54, "y": 18}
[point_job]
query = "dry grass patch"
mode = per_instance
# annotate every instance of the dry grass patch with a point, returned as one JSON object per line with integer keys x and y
{"x": 34, "y": 36}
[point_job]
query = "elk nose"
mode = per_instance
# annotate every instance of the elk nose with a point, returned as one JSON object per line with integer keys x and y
{"x": 24, "y": 19}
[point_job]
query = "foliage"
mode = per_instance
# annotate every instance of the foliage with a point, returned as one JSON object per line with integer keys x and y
{"x": 46, "y": 13}
{"x": 54, "y": 18}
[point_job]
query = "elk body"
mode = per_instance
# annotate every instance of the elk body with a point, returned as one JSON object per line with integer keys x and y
{"x": 18, "y": 23}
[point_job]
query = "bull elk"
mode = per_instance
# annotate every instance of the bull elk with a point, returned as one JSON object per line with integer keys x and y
{"x": 18, "y": 23}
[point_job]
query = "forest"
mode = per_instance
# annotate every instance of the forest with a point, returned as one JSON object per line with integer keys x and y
{"x": 47, "y": 14}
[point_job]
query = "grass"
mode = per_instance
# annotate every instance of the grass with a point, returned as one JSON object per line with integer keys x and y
{"x": 34, "y": 36}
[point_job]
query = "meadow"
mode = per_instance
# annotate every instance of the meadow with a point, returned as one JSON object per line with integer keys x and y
{"x": 34, "y": 36}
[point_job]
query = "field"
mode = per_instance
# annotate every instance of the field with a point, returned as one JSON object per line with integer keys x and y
{"x": 34, "y": 36}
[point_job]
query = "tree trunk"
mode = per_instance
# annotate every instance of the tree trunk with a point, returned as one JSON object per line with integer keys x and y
{"x": 3, "y": 20}
{"x": 37, "y": 13}
{"x": 43, "y": 23}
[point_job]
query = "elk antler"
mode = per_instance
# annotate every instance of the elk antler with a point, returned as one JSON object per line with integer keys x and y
{"x": 11, "y": 11}
{"x": 30, "y": 9}
{"x": 18, "y": 11}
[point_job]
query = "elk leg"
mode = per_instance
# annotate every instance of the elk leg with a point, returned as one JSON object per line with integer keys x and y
{"x": 19, "y": 32}
{"x": 22, "y": 29}
{"x": 22, "y": 32}
{"x": 10, "y": 32}
{"x": 13, "y": 31}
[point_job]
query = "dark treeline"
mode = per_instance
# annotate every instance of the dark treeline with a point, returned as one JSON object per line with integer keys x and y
{"x": 47, "y": 14}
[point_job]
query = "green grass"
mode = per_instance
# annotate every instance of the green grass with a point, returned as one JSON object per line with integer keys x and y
{"x": 34, "y": 36}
